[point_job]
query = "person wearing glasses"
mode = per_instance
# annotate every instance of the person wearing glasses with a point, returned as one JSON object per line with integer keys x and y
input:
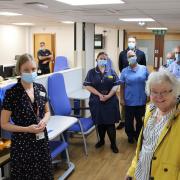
{"x": 158, "y": 149}
{"x": 133, "y": 96}
{"x": 174, "y": 68}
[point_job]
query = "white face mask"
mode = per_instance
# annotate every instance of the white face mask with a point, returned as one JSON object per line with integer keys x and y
{"x": 131, "y": 45}
{"x": 42, "y": 48}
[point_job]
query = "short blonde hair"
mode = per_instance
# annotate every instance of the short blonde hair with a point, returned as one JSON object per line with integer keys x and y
{"x": 22, "y": 60}
{"x": 163, "y": 76}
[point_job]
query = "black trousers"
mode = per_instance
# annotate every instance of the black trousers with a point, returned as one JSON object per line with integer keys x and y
{"x": 132, "y": 112}
{"x": 111, "y": 131}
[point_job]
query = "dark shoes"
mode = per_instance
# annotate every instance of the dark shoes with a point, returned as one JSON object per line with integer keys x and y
{"x": 99, "y": 144}
{"x": 130, "y": 140}
{"x": 114, "y": 148}
{"x": 120, "y": 126}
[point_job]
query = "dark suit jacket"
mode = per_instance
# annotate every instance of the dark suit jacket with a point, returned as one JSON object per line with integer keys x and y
{"x": 123, "y": 62}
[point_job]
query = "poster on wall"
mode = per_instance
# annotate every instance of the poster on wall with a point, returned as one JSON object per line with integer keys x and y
{"x": 98, "y": 41}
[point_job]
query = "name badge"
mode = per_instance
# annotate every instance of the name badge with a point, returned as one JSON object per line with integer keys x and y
{"x": 40, "y": 136}
{"x": 42, "y": 94}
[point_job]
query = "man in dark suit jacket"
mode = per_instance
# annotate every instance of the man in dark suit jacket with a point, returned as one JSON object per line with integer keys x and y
{"x": 123, "y": 63}
{"x": 141, "y": 58}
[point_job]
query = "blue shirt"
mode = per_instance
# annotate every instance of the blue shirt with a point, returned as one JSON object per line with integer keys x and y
{"x": 134, "y": 82}
{"x": 174, "y": 68}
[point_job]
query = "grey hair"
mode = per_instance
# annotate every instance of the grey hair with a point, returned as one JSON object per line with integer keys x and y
{"x": 22, "y": 60}
{"x": 163, "y": 76}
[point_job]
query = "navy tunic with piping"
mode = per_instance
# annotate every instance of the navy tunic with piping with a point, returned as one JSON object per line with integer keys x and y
{"x": 30, "y": 158}
{"x": 103, "y": 112}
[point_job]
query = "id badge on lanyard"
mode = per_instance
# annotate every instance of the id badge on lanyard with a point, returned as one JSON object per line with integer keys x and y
{"x": 40, "y": 135}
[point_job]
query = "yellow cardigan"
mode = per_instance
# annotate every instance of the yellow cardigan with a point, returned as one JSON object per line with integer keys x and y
{"x": 165, "y": 164}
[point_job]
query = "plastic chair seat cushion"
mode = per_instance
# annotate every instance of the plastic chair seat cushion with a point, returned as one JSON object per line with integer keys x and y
{"x": 57, "y": 147}
{"x": 87, "y": 123}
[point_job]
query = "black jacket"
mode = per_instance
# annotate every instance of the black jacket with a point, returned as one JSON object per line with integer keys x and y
{"x": 123, "y": 62}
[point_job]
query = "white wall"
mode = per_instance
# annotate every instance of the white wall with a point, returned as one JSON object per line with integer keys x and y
{"x": 64, "y": 39}
{"x": 89, "y": 46}
{"x": 13, "y": 42}
{"x": 110, "y": 43}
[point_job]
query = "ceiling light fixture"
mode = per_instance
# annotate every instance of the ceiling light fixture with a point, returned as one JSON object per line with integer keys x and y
{"x": 9, "y": 14}
{"x": 157, "y": 28}
{"x": 141, "y": 23}
{"x": 137, "y": 19}
{"x": 90, "y": 2}
{"x": 23, "y": 24}
{"x": 68, "y": 22}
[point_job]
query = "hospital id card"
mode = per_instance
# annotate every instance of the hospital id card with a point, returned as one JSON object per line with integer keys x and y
{"x": 40, "y": 136}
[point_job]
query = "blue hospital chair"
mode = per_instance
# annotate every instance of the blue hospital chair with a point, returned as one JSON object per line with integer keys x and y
{"x": 61, "y": 106}
{"x": 5, "y": 134}
{"x": 57, "y": 147}
{"x": 61, "y": 63}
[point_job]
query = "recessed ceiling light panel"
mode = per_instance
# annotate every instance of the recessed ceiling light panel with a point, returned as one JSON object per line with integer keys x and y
{"x": 157, "y": 28}
{"x": 90, "y": 2}
{"x": 67, "y": 22}
{"x": 23, "y": 24}
{"x": 137, "y": 19}
{"x": 9, "y": 14}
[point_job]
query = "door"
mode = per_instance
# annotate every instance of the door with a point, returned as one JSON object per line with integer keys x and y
{"x": 49, "y": 40}
{"x": 158, "y": 51}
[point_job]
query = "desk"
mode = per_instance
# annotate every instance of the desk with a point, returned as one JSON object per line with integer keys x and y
{"x": 80, "y": 94}
{"x": 56, "y": 126}
{"x": 4, "y": 159}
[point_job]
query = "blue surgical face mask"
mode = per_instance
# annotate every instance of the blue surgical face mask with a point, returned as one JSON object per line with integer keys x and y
{"x": 177, "y": 56}
{"x": 131, "y": 45}
{"x": 169, "y": 61}
{"x": 102, "y": 62}
{"x": 132, "y": 60}
{"x": 29, "y": 77}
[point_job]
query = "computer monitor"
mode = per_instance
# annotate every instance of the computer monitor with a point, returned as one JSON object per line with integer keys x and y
{"x": 1, "y": 70}
{"x": 9, "y": 71}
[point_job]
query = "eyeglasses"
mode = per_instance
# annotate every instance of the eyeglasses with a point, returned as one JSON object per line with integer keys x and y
{"x": 163, "y": 94}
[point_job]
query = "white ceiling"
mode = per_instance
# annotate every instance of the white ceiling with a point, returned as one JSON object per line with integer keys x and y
{"x": 165, "y": 12}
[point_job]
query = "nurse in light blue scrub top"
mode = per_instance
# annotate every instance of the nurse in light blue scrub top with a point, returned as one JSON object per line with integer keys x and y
{"x": 133, "y": 96}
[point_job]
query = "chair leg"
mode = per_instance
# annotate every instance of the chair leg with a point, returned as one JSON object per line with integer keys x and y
{"x": 85, "y": 144}
{"x": 84, "y": 138}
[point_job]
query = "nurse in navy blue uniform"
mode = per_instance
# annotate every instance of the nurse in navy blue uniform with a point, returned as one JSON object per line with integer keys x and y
{"x": 102, "y": 83}
{"x": 26, "y": 104}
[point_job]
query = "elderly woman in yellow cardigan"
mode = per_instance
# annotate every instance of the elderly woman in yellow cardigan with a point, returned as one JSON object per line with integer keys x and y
{"x": 158, "y": 149}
